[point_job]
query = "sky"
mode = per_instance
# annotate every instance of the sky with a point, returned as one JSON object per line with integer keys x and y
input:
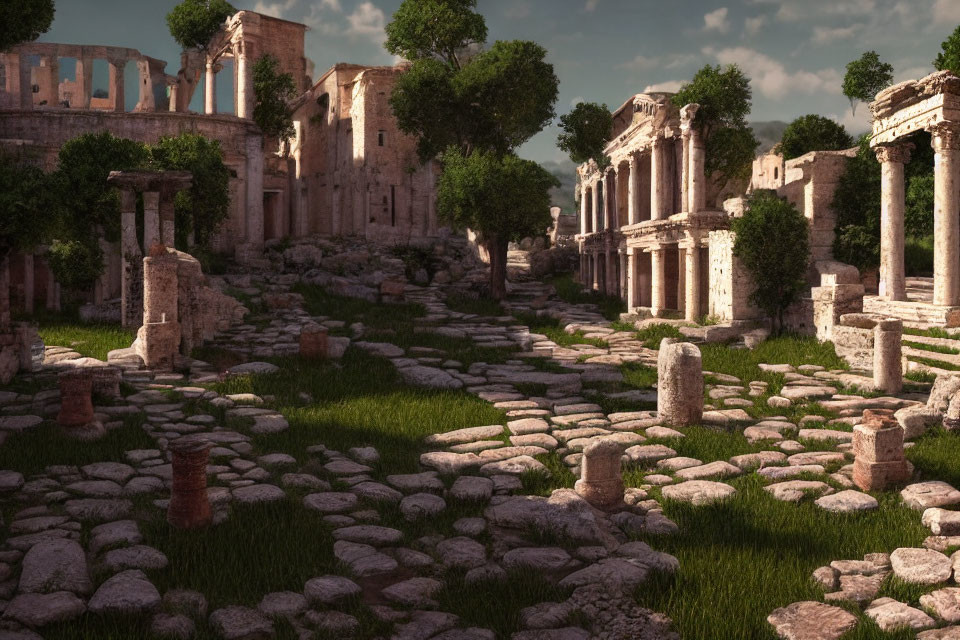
{"x": 605, "y": 51}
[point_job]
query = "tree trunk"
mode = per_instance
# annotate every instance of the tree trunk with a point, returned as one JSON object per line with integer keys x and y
{"x": 497, "y": 248}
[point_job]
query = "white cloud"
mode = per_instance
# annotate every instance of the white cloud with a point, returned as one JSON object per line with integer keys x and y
{"x": 854, "y": 124}
{"x": 716, "y": 21}
{"x": 577, "y": 101}
{"x": 367, "y": 21}
{"x": 333, "y": 5}
{"x": 518, "y": 11}
{"x": 639, "y": 63}
{"x": 752, "y": 26}
{"x": 591, "y": 5}
{"x": 319, "y": 24}
{"x": 826, "y": 35}
{"x": 642, "y": 62}
{"x": 275, "y": 9}
{"x": 771, "y": 78}
{"x": 946, "y": 10}
{"x": 671, "y": 86}
{"x": 794, "y": 11}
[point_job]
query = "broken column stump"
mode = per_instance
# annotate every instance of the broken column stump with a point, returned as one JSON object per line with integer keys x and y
{"x": 189, "y": 506}
{"x": 679, "y": 383}
{"x": 313, "y": 341}
{"x": 600, "y": 481}
{"x": 888, "y": 355}
{"x": 878, "y": 447}
{"x": 76, "y": 404}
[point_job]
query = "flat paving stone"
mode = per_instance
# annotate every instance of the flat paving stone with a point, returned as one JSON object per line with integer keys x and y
{"x": 796, "y": 490}
{"x": 847, "y": 501}
{"x": 39, "y": 610}
{"x": 698, "y": 492}
{"x": 811, "y": 621}
{"x": 924, "y": 495}
{"x": 890, "y": 615}
{"x": 921, "y": 566}
{"x": 945, "y": 603}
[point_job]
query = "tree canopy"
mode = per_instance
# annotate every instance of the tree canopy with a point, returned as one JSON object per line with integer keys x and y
{"x": 813, "y": 133}
{"x": 24, "y": 20}
{"x": 273, "y": 90}
{"x": 27, "y": 201}
{"x": 725, "y": 100}
{"x": 472, "y": 111}
{"x": 586, "y": 132}
{"x": 193, "y": 23}
{"x": 773, "y": 244}
{"x": 949, "y": 57}
{"x": 866, "y": 76}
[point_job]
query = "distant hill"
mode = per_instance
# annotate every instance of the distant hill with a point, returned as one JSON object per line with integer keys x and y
{"x": 768, "y": 133}
{"x": 562, "y": 196}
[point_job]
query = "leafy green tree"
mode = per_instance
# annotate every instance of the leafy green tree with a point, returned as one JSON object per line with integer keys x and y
{"x": 918, "y": 217}
{"x": 193, "y": 23}
{"x": 24, "y": 20}
{"x": 774, "y": 246}
{"x": 949, "y": 57}
{"x": 76, "y": 263}
{"x": 273, "y": 91}
{"x": 201, "y": 209}
{"x": 866, "y": 76}
{"x": 585, "y": 133}
{"x": 457, "y": 104}
{"x": 813, "y": 133}
{"x": 725, "y": 100}
{"x": 503, "y": 197}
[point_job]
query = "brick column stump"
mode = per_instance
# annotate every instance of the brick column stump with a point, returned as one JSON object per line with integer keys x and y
{"x": 878, "y": 447}
{"x": 600, "y": 481}
{"x": 76, "y": 405}
{"x": 313, "y": 342}
{"x": 189, "y": 505}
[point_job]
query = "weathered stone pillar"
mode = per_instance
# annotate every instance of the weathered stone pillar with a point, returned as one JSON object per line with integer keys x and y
{"x": 698, "y": 179}
{"x": 84, "y": 82}
{"x": 658, "y": 188}
{"x": 76, "y": 404}
{"x": 117, "y": 85}
{"x": 692, "y": 281}
{"x": 584, "y": 210}
{"x": 693, "y": 181}
{"x": 679, "y": 383}
{"x": 244, "y": 57}
{"x": 26, "y": 82}
{"x": 313, "y": 341}
{"x": 878, "y": 447}
{"x": 174, "y": 97}
{"x": 254, "y": 149}
{"x": 29, "y": 290}
{"x": 51, "y": 93}
{"x": 595, "y": 271}
{"x": 685, "y": 173}
{"x": 151, "y": 220}
{"x": 946, "y": 215}
{"x": 631, "y": 279}
{"x": 601, "y": 483}
{"x": 159, "y": 337}
{"x": 595, "y": 201}
{"x": 888, "y": 355}
{"x": 633, "y": 192}
{"x": 189, "y": 506}
{"x": 658, "y": 281}
{"x": 611, "y": 286}
{"x": 892, "y": 204}
{"x": 131, "y": 287}
{"x": 167, "y": 217}
{"x": 210, "y": 88}
{"x": 613, "y": 197}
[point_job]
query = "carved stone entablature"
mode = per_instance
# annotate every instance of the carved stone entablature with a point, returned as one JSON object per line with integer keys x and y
{"x": 685, "y": 228}
{"x": 898, "y": 153}
{"x": 600, "y": 241}
{"x": 914, "y": 106}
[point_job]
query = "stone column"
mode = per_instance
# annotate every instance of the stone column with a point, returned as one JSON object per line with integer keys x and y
{"x": 117, "y": 86}
{"x": 946, "y": 216}
{"x": 210, "y": 88}
{"x": 131, "y": 287}
{"x": 692, "y": 280}
{"x": 167, "y": 218}
{"x": 254, "y": 149}
{"x": 158, "y": 340}
{"x": 892, "y": 204}
{"x": 601, "y": 483}
{"x": 26, "y": 82}
{"x": 189, "y": 506}
{"x": 631, "y": 279}
{"x": 685, "y": 173}
{"x": 698, "y": 180}
{"x": 658, "y": 284}
{"x": 595, "y": 201}
{"x": 633, "y": 192}
{"x": 313, "y": 341}
{"x": 657, "y": 187}
{"x": 888, "y": 355}
{"x": 28, "y": 283}
{"x": 76, "y": 404}
{"x": 584, "y": 210}
{"x": 52, "y": 66}
{"x": 174, "y": 97}
{"x": 151, "y": 220}
{"x": 244, "y": 57}
{"x": 878, "y": 447}
{"x": 595, "y": 271}
{"x": 84, "y": 82}
{"x": 679, "y": 383}
{"x": 613, "y": 192}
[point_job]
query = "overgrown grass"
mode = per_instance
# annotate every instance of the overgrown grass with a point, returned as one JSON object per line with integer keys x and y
{"x": 572, "y": 292}
{"x": 744, "y": 557}
{"x": 480, "y": 306}
{"x": 918, "y": 375}
{"x": 935, "y": 454}
{"x": 932, "y": 332}
{"x": 359, "y": 401}
{"x": 30, "y": 451}
{"x": 652, "y": 334}
{"x": 936, "y": 348}
{"x": 638, "y": 376}
{"x": 552, "y": 329}
{"x": 93, "y": 340}
{"x": 932, "y": 362}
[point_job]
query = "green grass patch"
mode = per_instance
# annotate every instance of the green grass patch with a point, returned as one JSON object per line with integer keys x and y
{"x": 474, "y": 305}
{"x": 936, "y": 348}
{"x": 918, "y": 375}
{"x": 932, "y": 332}
{"x": 359, "y": 401}
{"x": 652, "y": 334}
{"x": 319, "y": 302}
{"x": 572, "y": 292}
{"x": 93, "y": 340}
{"x": 30, "y": 451}
{"x": 550, "y": 327}
{"x": 934, "y": 456}
{"x": 932, "y": 362}
{"x": 744, "y": 557}
{"x": 638, "y": 376}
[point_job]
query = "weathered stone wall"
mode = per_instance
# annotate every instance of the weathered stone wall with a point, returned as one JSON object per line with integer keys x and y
{"x": 730, "y": 284}
{"x": 768, "y": 172}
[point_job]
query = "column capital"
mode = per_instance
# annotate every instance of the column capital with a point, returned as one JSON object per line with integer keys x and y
{"x": 898, "y": 152}
{"x": 946, "y": 136}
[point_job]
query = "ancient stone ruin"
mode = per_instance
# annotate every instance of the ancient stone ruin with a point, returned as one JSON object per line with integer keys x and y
{"x": 679, "y": 383}
{"x": 878, "y": 447}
